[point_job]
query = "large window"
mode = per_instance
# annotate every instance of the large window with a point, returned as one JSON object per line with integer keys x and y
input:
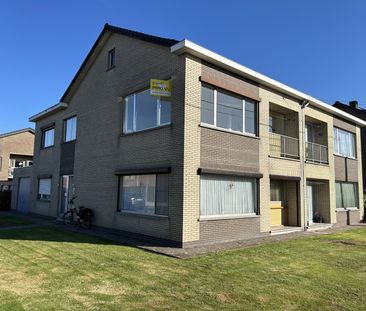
{"x": 48, "y": 137}
{"x": 70, "y": 129}
{"x": 228, "y": 195}
{"x": 344, "y": 143}
{"x": 346, "y": 195}
{"x": 144, "y": 111}
{"x": 44, "y": 189}
{"x": 146, "y": 194}
{"x": 228, "y": 111}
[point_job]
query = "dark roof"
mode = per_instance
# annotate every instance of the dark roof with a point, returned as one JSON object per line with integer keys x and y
{"x": 28, "y": 129}
{"x": 359, "y": 113}
{"x": 141, "y": 36}
{"x": 123, "y": 31}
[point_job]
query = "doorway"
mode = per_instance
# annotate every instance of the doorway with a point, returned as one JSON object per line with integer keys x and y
{"x": 318, "y": 205}
{"x": 67, "y": 191}
{"x": 23, "y": 195}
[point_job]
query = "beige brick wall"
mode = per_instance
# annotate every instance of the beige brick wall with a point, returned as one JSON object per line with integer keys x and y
{"x": 192, "y": 141}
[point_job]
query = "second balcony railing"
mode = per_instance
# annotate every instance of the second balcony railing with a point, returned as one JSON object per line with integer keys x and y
{"x": 283, "y": 146}
{"x": 316, "y": 153}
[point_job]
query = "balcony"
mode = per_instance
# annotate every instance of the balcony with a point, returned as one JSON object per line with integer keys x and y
{"x": 316, "y": 141}
{"x": 316, "y": 153}
{"x": 283, "y": 146}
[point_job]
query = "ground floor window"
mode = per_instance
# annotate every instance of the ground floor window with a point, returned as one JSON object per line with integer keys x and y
{"x": 44, "y": 189}
{"x": 228, "y": 195}
{"x": 346, "y": 195}
{"x": 146, "y": 194}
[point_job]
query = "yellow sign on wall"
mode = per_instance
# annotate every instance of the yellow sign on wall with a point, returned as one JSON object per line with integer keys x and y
{"x": 161, "y": 87}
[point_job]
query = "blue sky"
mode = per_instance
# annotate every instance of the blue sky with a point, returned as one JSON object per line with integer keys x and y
{"x": 317, "y": 47}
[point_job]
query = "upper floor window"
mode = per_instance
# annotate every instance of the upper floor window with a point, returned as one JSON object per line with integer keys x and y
{"x": 70, "y": 129}
{"x": 144, "y": 111}
{"x": 228, "y": 111}
{"x": 344, "y": 143}
{"x": 111, "y": 59}
{"x": 48, "y": 137}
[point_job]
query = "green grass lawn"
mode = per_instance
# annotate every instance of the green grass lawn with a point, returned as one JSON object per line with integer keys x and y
{"x": 48, "y": 269}
{"x": 9, "y": 221}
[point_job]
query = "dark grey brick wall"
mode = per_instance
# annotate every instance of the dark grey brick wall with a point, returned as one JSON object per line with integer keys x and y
{"x": 222, "y": 150}
{"x": 229, "y": 229}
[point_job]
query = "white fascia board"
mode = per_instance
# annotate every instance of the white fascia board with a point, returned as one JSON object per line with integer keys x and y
{"x": 186, "y": 46}
{"x": 48, "y": 111}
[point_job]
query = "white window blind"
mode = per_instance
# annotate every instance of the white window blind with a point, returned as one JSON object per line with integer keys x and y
{"x": 44, "y": 188}
{"x": 228, "y": 195}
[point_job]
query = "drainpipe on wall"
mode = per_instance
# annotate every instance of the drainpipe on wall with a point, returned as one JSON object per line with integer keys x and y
{"x": 304, "y": 104}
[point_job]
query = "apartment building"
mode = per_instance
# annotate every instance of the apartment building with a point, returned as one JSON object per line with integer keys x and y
{"x": 16, "y": 150}
{"x": 224, "y": 153}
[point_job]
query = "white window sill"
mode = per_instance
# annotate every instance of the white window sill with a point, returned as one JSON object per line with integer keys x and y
{"x": 212, "y": 127}
{"x": 343, "y": 156}
{"x": 136, "y": 214}
{"x": 223, "y": 217}
{"x": 147, "y": 129}
{"x": 347, "y": 209}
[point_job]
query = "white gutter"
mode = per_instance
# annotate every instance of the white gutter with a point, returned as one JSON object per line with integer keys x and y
{"x": 48, "y": 111}
{"x": 186, "y": 46}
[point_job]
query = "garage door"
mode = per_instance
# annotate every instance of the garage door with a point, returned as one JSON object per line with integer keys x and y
{"x": 23, "y": 194}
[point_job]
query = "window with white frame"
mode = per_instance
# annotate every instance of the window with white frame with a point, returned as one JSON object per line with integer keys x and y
{"x": 228, "y": 111}
{"x": 70, "y": 129}
{"x": 145, "y": 194}
{"x": 44, "y": 189}
{"x": 48, "y": 137}
{"x": 228, "y": 195}
{"x": 143, "y": 111}
{"x": 346, "y": 195}
{"x": 344, "y": 143}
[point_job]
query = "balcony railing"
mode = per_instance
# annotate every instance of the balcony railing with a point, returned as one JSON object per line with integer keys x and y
{"x": 283, "y": 146}
{"x": 316, "y": 153}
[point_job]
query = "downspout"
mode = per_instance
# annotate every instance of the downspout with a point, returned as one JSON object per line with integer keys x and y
{"x": 304, "y": 104}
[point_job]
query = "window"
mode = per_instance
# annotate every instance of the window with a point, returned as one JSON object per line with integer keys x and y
{"x": 48, "y": 137}
{"x": 346, "y": 195}
{"x": 344, "y": 143}
{"x": 144, "y": 111}
{"x": 111, "y": 59}
{"x": 44, "y": 189}
{"x": 145, "y": 194}
{"x": 228, "y": 111}
{"x": 228, "y": 195}
{"x": 70, "y": 129}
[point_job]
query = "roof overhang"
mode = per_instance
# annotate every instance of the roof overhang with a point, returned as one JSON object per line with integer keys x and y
{"x": 186, "y": 46}
{"x": 48, "y": 111}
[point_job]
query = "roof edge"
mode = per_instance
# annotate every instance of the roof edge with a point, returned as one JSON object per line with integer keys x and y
{"x": 27, "y": 129}
{"x": 187, "y": 46}
{"x": 51, "y": 110}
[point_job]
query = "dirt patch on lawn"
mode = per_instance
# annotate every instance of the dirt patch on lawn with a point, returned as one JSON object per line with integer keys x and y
{"x": 348, "y": 243}
{"x": 20, "y": 283}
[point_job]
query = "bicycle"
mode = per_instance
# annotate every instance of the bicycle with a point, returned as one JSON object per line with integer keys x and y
{"x": 83, "y": 216}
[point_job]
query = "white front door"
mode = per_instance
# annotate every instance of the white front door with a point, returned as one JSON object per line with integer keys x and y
{"x": 310, "y": 193}
{"x": 67, "y": 191}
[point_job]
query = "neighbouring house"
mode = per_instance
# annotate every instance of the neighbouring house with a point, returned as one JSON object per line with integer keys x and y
{"x": 16, "y": 150}
{"x": 224, "y": 153}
